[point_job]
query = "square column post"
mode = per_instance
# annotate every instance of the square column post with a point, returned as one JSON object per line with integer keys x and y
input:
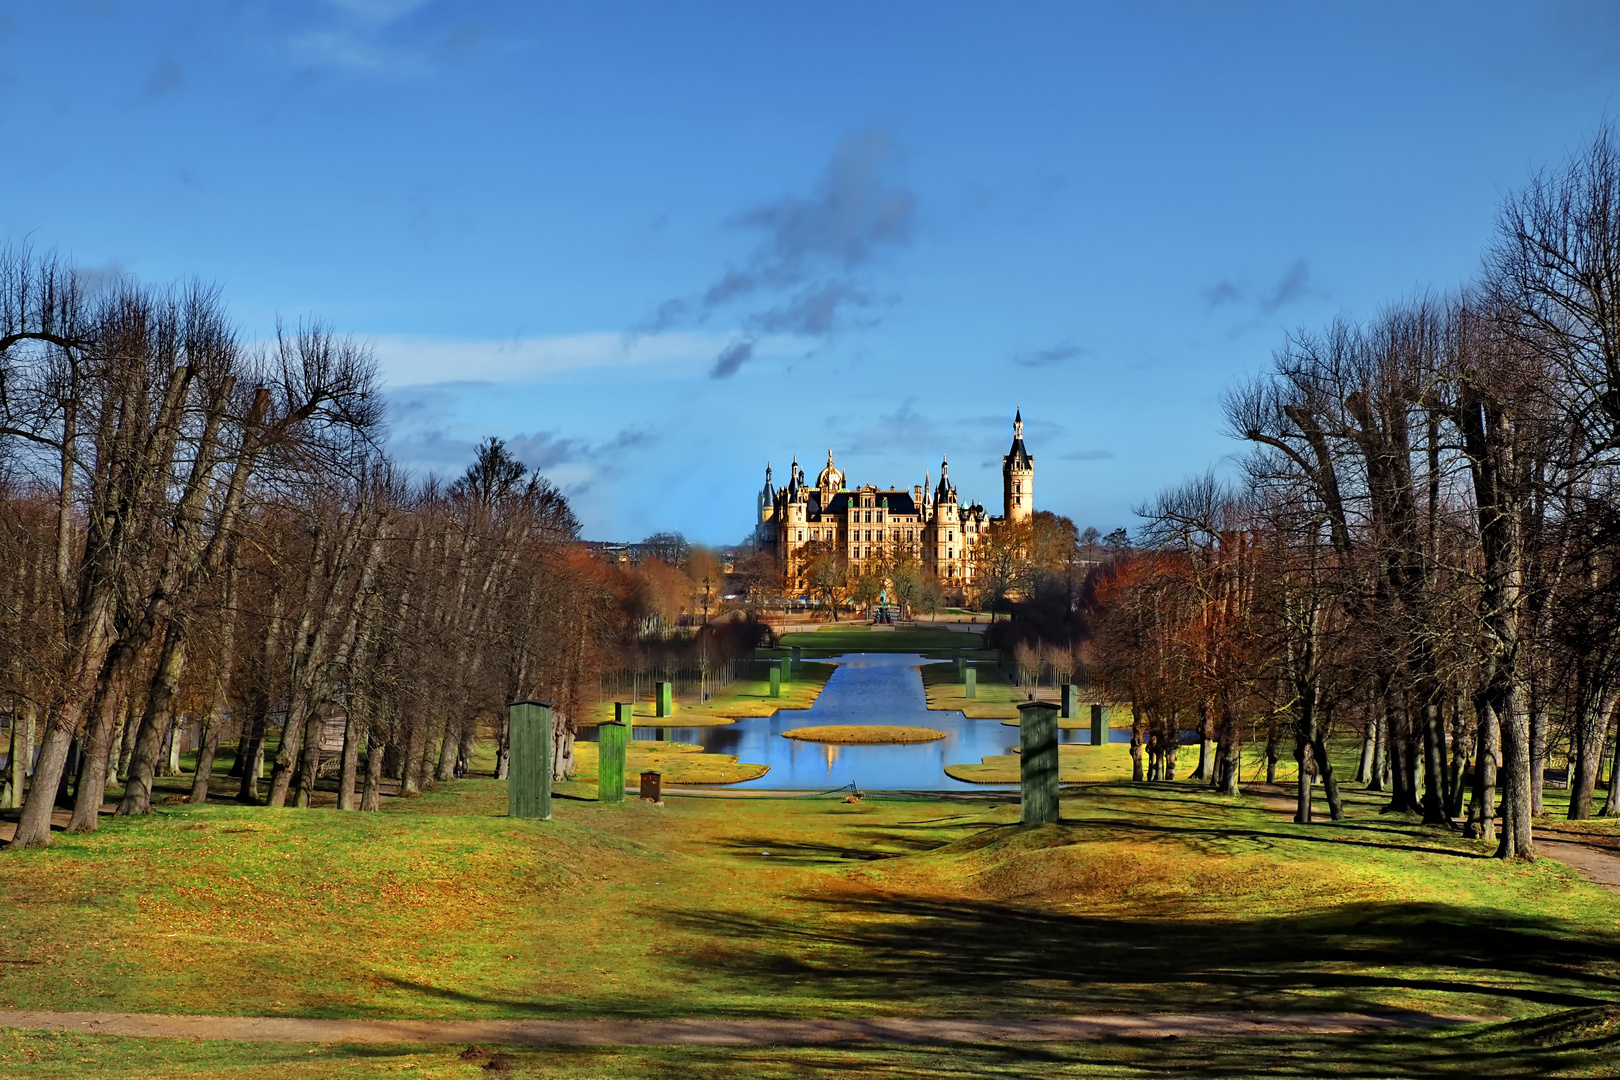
{"x": 529, "y": 787}
{"x": 1099, "y": 727}
{"x": 1071, "y": 701}
{"x": 798, "y": 658}
{"x": 1037, "y": 762}
{"x": 961, "y": 666}
{"x": 776, "y": 679}
{"x": 787, "y": 670}
{"x": 612, "y": 740}
{"x": 666, "y": 699}
{"x": 971, "y": 684}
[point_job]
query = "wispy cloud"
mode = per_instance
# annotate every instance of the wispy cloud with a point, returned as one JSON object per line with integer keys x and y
{"x": 380, "y": 38}
{"x": 809, "y": 273}
{"x": 1061, "y": 353}
{"x": 411, "y": 361}
{"x": 1292, "y": 286}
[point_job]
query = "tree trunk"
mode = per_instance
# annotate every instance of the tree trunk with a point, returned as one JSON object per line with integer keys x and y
{"x": 1229, "y": 763}
{"x": 447, "y": 751}
{"x": 1330, "y": 782}
{"x": 503, "y": 748}
{"x": 1590, "y": 738}
{"x": 1136, "y": 742}
{"x": 1517, "y": 841}
{"x": 1302, "y": 785}
{"x": 409, "y": 760}
{"x": 1369, "y": 737}
{"x": 376, "y": 751}
{"x": 34, "y": 827}
{"x": 1538, "y": 752}
{"x": 207, "y": 748}
{"x": 351, "y": 757}
{"x": 1611, "y": 805}
{"x": 250, "y": 751}
{"x": 1482, "y": 816}
{"x": 157, "y": 720}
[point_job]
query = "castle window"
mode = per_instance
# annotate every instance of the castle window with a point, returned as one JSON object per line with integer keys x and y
{"x": 1018, "y": 485}
{"x": 950, "y": 553}
{"x": 801, "y": 534}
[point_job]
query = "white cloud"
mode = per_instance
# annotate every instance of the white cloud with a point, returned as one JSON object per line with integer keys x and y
{"x": 416, "y": 361}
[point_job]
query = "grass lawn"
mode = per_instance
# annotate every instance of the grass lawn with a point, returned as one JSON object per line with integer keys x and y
{"x": 929, "y": 641}
{"x": 997, "y": 699}
{"x": 744, "y": 697}
{"x": 680, "y": 763}
{"x": 1145, "y": 898}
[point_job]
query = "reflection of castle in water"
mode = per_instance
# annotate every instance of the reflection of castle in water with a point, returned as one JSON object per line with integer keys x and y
{"x": 872, "y": 525}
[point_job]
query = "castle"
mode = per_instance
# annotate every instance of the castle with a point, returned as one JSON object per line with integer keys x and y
{"x": 871, "y": 527}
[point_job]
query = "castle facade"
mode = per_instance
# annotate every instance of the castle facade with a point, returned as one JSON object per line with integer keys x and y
{"x": 874, "y": 526}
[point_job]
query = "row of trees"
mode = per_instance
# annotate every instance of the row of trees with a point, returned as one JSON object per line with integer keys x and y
{"x": 1425, "y": 541}
{"x": 197, "y": 528}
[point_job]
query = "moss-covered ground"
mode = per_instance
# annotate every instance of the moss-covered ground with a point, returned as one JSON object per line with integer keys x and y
{"x": 1145, "y": 898}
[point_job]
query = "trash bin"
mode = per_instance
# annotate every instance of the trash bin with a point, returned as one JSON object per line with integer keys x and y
{"x": 651, "y": 786}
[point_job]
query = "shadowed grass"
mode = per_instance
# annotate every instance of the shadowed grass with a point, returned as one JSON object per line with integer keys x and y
{"x": 1145, "y": 898}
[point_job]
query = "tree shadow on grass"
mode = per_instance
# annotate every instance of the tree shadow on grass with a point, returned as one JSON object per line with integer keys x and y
{"x": 945, "y": 956}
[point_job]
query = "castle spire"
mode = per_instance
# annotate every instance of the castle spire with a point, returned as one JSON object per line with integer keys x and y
{"x": 1018, "y": 423}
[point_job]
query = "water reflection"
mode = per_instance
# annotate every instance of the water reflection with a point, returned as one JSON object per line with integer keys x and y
{"x": 867, "y": 688}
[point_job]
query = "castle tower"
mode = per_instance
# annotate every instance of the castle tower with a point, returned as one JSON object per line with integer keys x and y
{"x": 1018, "y": 476}
{"x": 767, "y": 498}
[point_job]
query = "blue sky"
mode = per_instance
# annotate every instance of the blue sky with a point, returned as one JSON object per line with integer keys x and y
{"x": 656, "y": 245}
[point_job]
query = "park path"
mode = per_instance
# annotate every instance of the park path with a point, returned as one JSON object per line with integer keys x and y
{"x": 59, "y": 820}
{"x": 1594, "y": 856}
{"x": 723, "y": 1032}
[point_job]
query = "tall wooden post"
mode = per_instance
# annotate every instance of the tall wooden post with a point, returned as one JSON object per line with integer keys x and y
{"x": 1099, "y": 728}
{"x": 666, "y": 699}
{"x": 612, "y": 738}
{"x": 776, "y": 680}
{"x": 798, "y": 658}
{"x": 787, "y": 670}
{"x": 529, "y": 784}
{"x": 961, "y": 666}
{"x": 1037, "y": 762}
{"x": 1071, "y": 701}
{"x": 972, "y": 685}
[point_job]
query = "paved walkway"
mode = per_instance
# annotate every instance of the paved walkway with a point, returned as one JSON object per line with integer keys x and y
{"x": 722, "y": 1032}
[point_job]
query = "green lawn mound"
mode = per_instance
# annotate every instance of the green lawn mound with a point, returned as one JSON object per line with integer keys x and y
{"x": 1077, "y": 763}
{"x": 865, "y": 734}
{"x": 680, "y": 763}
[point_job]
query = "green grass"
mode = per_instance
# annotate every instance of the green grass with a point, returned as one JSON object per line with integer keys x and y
{"x": 860, "y": 638}
{"x": 1145, "y": 898}
{"x": 996, "y": 698}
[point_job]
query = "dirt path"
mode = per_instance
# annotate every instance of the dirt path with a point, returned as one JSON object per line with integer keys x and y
{"x": 59, "y": 820}
{"x": 721, "y": 1032}
{"x": 1596, "y": 857}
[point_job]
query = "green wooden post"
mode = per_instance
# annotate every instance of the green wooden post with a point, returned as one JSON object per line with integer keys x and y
{"x": 972, "y": 690}
{"x": 961, "y": 666}
{"x": 798, "y": 658}
{"x": 1071, "y": 701}
{"x": 666, "y": 699}
{"x": 612, "y": 738}
{"x": 787, "y": 671}
{"x": 1037, "y": 762}
{"x": 776, "y": 680}
{"x": 1099, "y": 729}
{"x": 529, "y": 787}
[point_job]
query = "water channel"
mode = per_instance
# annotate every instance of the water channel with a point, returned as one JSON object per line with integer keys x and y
{"x": 867, "y": 688}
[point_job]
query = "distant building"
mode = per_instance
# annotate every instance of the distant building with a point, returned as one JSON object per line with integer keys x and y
{"x": 871, "y": 523}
